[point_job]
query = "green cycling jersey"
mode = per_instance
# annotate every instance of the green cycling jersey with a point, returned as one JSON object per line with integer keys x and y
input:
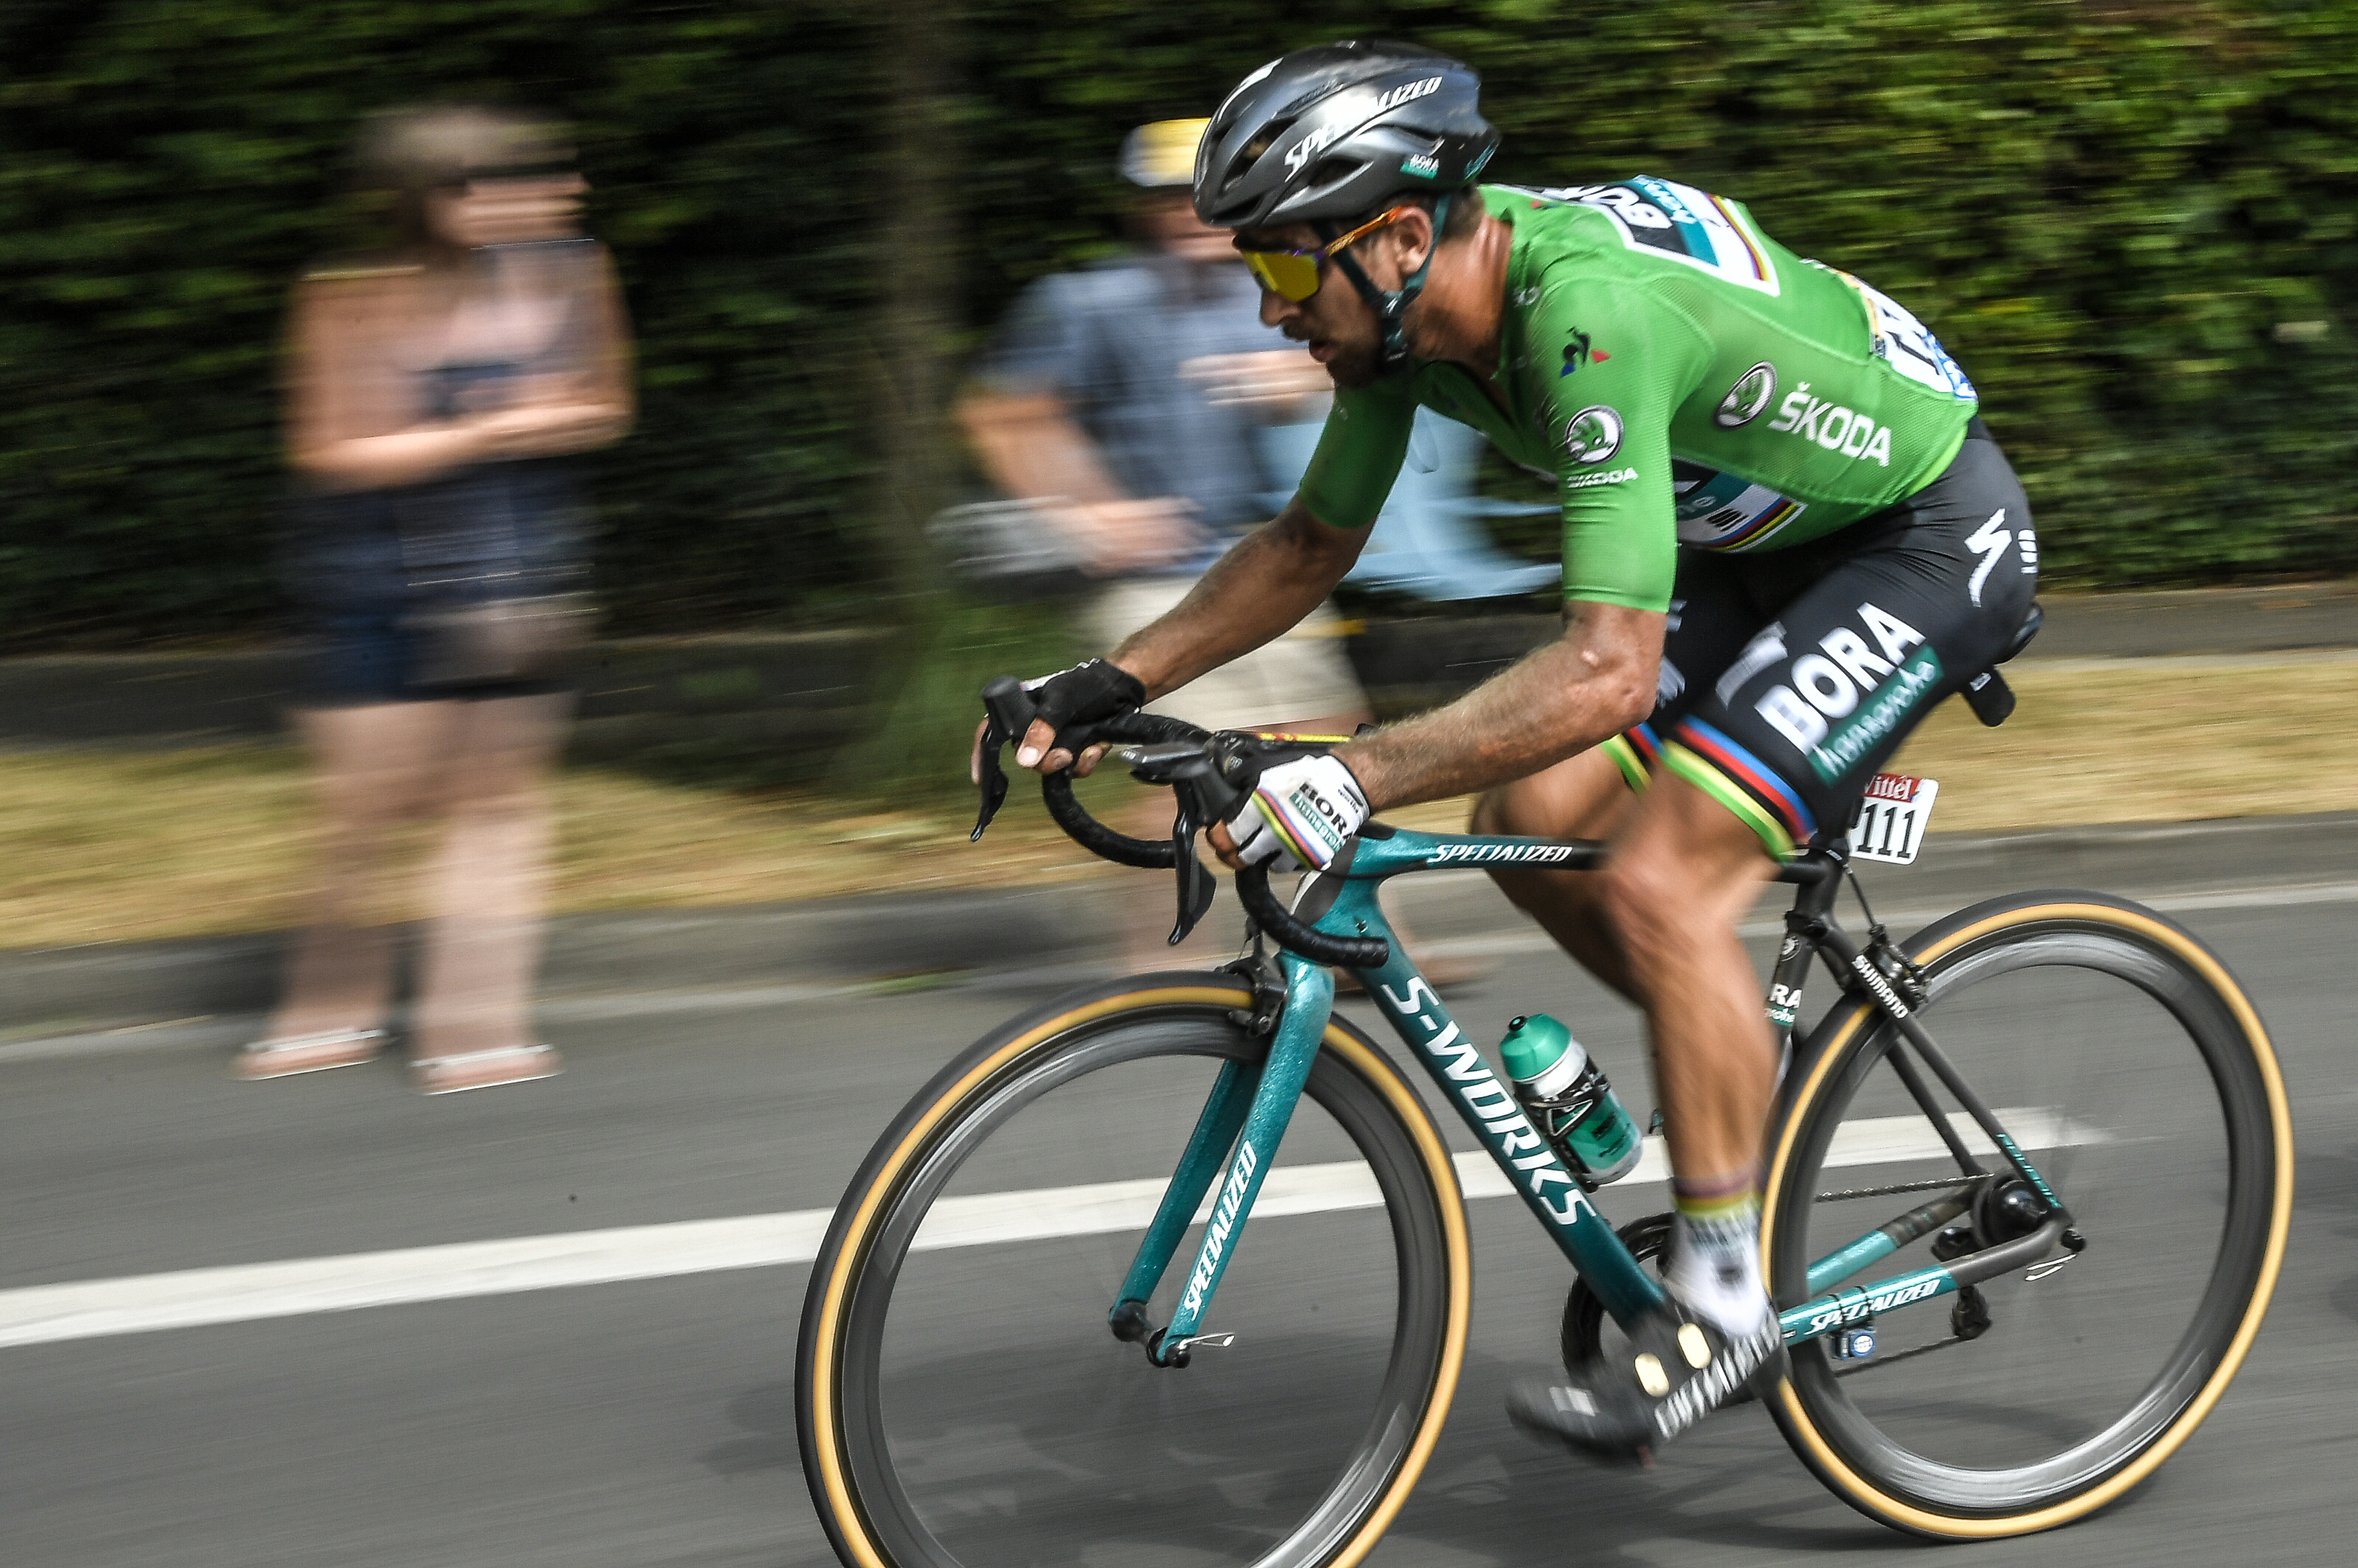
{"x": 1684, "y": 378}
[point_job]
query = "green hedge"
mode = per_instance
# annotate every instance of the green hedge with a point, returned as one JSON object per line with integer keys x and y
{"x": 2136, "y": 224}
{"x": 167, "y": 167}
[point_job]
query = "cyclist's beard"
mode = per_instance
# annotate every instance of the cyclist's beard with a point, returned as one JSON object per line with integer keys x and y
{"x": 1354, "y": 365}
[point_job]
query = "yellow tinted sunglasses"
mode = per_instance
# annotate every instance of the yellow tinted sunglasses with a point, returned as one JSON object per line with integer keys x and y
{"x": 1293, "y": 275}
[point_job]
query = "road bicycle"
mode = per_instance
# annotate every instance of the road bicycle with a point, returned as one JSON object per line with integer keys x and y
{"x": 2044, "y": 1141}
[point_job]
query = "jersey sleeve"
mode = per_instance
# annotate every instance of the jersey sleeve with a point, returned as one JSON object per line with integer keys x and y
{"x": 1044, "y": 345}
{"x": 1359, "y": 456}
{"x": 1613, "y": 363}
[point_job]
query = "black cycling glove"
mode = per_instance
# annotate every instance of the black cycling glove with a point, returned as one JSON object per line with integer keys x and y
{"x": 1085, "y": 693}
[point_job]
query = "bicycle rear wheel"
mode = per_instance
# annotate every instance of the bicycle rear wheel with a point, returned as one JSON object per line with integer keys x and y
{"x": 961, "y": 1400}
{"x": 2123, "y": 1057}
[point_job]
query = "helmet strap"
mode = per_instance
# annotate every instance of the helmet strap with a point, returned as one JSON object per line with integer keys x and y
{"x": 1392, "y": 304}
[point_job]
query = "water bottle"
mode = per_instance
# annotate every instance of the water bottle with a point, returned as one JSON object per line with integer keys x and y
{"x": 1569, "y": 1098}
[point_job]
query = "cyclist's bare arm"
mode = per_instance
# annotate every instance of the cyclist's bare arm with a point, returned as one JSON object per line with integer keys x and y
{"x": 1589, "y": 684}
{"x": 1258, "y": 591}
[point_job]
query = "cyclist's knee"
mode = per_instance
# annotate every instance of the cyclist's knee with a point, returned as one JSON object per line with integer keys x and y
{"x": 1496, "y": 813}
{"x": 1580, "y": 798}
{"x": 1686, "y": 869}
{"x": 1649, "y": 902}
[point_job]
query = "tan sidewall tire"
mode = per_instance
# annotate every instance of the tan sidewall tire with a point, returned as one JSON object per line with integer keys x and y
{"x": 849, "y": 1239}
{"x": 1844, "y": 1031}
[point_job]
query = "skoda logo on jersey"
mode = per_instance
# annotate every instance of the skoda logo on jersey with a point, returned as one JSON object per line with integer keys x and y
{"x": 1592, "y": 434}
{"x": 1747, "y": 397}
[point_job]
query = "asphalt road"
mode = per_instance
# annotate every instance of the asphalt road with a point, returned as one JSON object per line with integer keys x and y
{"x": 650, "y": 1422}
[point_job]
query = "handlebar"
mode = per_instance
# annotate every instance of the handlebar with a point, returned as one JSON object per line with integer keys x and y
{"x": 1205, "y": 796}
{"x": 1344, "y": 952}
{"x": 1011, "y": 711}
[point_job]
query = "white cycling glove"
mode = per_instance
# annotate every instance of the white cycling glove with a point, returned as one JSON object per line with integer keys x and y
{"x": 1300, "y": 816}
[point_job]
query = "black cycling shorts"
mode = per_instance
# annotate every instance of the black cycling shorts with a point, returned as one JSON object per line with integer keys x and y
{"x": 1789, "y": 677}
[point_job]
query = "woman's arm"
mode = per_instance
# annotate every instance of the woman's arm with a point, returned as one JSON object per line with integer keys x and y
{"x": 336, "y": 402}
{"x": 337, "y": 421}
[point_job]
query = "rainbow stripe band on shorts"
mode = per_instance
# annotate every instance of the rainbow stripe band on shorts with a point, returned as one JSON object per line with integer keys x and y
{"x": 1637, "y": 753}
{"x": 1713, "y": 762}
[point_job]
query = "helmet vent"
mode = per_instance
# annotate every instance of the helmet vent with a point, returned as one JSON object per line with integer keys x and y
{"x": 1272, "y": 133}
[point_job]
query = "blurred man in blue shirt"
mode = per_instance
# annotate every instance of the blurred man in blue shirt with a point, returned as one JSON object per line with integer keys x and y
{"x": 1123, "y": 402}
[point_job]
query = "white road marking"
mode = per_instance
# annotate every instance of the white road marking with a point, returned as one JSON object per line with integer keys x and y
{"x": 86, "y": 1309}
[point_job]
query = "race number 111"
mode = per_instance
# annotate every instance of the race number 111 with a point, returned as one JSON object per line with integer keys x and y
{"x": 1891, "y": 818}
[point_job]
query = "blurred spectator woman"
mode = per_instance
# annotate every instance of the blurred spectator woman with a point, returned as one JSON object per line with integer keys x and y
{"x": 439, "y": 396}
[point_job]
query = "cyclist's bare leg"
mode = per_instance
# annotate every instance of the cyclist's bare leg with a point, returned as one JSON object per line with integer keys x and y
{"x": 1684, "y": 872}
{"x": 1581, "y": 798}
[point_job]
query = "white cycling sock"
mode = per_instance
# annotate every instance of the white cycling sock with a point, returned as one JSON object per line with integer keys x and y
{"x": 1716, "y": 1264}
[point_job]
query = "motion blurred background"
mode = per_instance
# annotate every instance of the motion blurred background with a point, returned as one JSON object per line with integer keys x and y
{"x": 2133, "y": 221}
{"x": 2136, "y": 223}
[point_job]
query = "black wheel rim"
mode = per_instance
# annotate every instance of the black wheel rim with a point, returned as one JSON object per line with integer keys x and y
{"x": 2184, "y": 1367}
{"x": 896, "y": 1522}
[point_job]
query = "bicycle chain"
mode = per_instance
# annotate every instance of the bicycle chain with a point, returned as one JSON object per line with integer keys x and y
{"x": 1895, "y": 1189}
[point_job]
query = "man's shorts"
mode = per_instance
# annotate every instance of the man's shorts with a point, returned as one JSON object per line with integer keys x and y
{"x": 1790, "y": 677}
{"x": 1300, "y": 676}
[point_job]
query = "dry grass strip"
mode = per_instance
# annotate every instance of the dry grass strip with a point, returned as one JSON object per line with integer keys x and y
{"x": 135, "y": 845}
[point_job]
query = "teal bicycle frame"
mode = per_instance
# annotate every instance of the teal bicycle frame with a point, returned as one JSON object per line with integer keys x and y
{"x": 1244, "y": 1118}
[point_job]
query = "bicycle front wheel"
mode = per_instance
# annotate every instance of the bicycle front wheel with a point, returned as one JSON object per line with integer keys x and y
{"x": 962, "y": 1402}
{"x": 2122, "y": 1057}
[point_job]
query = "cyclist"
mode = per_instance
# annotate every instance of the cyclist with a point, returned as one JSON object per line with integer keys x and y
{"x": 1786, "y": 535}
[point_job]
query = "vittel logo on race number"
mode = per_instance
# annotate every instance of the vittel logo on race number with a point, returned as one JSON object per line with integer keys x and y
{"x": 1891, "y": 818}
{"x": 1592, "y": 434}
{"x": 1900, "y": 787}
{"x": 1747, "y": 397}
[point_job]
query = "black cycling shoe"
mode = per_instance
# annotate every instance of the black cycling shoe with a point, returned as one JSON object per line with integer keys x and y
{"x": 1676, "y": 1371}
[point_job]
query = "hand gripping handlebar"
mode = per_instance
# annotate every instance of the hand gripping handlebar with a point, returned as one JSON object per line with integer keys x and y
{"x": 1177, "y": 753}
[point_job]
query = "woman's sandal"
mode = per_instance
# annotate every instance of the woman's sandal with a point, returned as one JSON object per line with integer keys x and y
{"x": 306, "y": 1052}
{"x": 484, "y": 1069}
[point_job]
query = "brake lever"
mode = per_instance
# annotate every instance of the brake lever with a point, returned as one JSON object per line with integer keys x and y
{"x": 1202, "y": 797}
{"x": 1010, "y": 709}
{"x": 993, "y": 782}
{"x": 1197, "y": 883}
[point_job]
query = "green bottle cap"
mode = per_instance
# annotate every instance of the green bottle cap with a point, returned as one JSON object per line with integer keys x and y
{"x": 1532, "y": 1045}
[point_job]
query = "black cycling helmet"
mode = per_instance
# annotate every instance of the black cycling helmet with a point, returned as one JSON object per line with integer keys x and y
{"x": 1330, "y": 132}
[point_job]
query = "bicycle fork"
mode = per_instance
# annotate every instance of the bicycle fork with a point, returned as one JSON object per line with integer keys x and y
{"x": 1235, "y": 1142}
